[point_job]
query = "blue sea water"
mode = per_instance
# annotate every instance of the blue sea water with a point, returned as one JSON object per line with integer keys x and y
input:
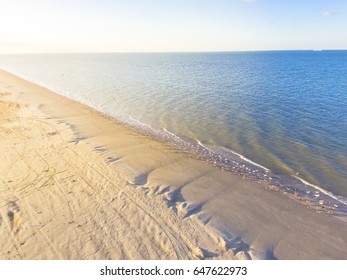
{"x": 283, "y": 110}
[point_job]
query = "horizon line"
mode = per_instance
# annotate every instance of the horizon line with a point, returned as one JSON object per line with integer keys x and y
{"x": 168, "y": 52}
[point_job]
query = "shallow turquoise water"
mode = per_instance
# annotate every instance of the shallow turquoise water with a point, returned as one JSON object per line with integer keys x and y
{"x": 286, "y": 111}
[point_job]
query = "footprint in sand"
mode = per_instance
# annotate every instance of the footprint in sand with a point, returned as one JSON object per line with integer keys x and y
{"x": 14, "y": 217}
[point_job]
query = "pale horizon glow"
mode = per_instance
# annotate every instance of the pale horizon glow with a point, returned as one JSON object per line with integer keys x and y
{"x": 46, "y": 26}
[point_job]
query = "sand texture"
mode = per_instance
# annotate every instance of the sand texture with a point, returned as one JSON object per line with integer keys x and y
{"x": 75, "y": 184}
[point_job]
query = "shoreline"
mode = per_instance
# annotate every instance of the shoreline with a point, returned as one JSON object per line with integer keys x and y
{"x": 179, "y": 207}
{"x": 279, "y": 143}
{"x": 315, "y": 196}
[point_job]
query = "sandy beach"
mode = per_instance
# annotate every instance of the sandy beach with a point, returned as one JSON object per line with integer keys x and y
{"x": 75, "y": 184}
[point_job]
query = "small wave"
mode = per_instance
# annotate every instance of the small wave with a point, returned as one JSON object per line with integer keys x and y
{"x": 341, "y": 199}
{"x": 297, "y": 188}
{"x": 246, "y": 159}
{"x": 173, "y": 135}
{"x": 141, "y": 123}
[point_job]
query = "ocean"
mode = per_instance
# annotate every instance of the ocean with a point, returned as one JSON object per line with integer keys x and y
{"x": 278, "y": 116}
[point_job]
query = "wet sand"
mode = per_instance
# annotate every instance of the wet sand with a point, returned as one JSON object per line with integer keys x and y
{"x": 75, "y": 184}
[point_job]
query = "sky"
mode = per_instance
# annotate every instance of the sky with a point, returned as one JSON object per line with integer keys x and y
{"x": 35, "y": 26}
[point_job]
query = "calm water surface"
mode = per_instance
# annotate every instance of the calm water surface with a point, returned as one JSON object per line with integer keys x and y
{"x": 286, "y": 111}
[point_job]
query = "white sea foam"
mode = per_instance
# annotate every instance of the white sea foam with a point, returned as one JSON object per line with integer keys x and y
{"x": 322, "y": 190}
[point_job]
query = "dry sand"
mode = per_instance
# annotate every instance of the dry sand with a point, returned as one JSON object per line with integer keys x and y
{"x": 77, "y": 185}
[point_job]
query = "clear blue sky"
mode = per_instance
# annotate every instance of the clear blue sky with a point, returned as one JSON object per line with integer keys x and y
{"x": 171, "y": 25}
